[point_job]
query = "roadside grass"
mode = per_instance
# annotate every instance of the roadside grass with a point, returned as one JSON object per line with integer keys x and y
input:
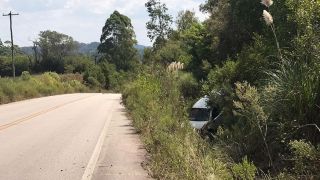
{"x": 159, "y": 113}
{"x": 47, "y": 84}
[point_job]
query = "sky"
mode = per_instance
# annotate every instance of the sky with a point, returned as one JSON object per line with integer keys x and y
{"x": 80, "y": 19}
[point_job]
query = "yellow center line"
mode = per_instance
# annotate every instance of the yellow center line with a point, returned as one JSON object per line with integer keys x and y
{"x": 23, "y": 119}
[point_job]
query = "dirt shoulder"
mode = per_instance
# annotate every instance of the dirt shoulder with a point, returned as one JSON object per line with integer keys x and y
{"x": 122, "y": 153}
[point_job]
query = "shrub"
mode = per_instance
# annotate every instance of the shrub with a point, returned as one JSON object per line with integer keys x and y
{"x": 95, "y": 73}
{"x": 53, "y": 75}
{"x": 254, "y": 61}
{"x": 306, "y": 159}
{"x": 93, "y": 82}
{"x": 25, "y": 76}
{"x": 244, "y": 170}
{"x": 188, "y": 85}
{"x": 248, "y": 133}
{"x": 221, "y": 76}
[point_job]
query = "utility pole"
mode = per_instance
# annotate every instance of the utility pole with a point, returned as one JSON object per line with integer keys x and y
{"x": 12, "y": 48}
{"x": 35, "y": 49}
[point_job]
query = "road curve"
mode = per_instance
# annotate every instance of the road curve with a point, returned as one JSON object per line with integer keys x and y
{"x": 72, "y": 137}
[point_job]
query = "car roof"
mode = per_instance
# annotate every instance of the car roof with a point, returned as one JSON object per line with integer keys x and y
{"x": 202, "y": 103}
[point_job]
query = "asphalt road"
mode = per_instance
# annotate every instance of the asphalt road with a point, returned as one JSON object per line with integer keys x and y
{"x": 77, "y": 136}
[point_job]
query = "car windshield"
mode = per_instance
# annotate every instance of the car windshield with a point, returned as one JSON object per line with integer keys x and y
{"x": 199, "y": 114}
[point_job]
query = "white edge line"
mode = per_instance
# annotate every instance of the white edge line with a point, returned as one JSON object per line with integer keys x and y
{"x": 88, "y": 173}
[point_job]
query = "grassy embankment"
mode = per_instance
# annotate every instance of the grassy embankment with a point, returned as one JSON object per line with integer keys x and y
{"x": 27, "y": 86}
{"x": 159, "y": 113}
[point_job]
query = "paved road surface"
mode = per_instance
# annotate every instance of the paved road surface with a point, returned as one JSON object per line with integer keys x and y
{"x": 77, "y": 136}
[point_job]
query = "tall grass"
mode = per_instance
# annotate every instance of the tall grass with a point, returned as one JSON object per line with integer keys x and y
{"x": 46, "y": 84}
{"x": 295, "y": 99}
{"x": 159, "y": 113}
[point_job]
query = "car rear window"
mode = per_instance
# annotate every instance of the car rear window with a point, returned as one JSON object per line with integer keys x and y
{"x": 197, "y": 114}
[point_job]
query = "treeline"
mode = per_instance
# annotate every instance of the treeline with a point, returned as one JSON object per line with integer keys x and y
{"x": 49, "y": 53}
{"x": 57, "y": 52}
{"x": 259, "y": 62}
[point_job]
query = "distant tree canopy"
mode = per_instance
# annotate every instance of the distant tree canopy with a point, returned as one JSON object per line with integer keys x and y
{"x": 185, "y": 20}
{"x": 4, "y": 50}
{"x": 54, "y": 47}
{"x": 160, "y": 22}
{"x": 118, "y": 40}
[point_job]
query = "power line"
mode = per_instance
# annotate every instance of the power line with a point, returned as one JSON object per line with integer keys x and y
{"x": 12, "y": 48}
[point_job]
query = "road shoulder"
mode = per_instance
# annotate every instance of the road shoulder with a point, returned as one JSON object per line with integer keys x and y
{"x": 122, "y": 152}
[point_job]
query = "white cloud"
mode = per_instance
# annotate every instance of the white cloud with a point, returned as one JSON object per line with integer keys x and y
{"x": 4, "y": 5}
{"x": 128, "y": 7}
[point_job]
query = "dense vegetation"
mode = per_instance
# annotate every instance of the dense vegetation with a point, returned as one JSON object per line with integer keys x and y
{"x": 159, "y": 114}
{"x": 57, "y": 52}
{"x": 258, "y": 61}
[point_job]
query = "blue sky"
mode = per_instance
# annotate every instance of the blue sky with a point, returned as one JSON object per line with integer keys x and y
{"x": 81, "y": 19}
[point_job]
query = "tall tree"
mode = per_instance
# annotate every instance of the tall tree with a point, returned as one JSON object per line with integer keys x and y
{"x": 54, "y": 47}
{"x": 118, "y": 40}
{"x": 186, "y": 19}
{"x": 159, "y": 25}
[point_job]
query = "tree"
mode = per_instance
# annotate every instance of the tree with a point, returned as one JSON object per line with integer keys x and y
{"x": 196, "y": 41}
{"x": 54, "y": 47}
{"x": 4, "y": 50}
{"x": 159, "y": 24}
{"x": 118, "y": 40}
{"x": 186, "y": 19}
{"x": 232, "y": 25}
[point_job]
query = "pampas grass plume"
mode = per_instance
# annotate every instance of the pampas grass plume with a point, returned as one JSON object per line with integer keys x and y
{"x": 267, "y": 17}
{"x": 267, "y": 3}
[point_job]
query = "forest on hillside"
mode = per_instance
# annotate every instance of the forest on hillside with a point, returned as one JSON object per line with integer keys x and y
{"x": 258, "y": 61}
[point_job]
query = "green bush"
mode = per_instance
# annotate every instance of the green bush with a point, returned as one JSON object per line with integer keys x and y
{"x": 94, "y": 73}
{"x": 306, "y": 159}
{"x": 77, "y": 63}
{"x": 244, "y": 170}
{"x": 188, "y": 85}
{"x": 221, "y": 76}
{"x": 254, "y": 61}
{"x": 25, "y": 76}
{"x": 93, "y": 82}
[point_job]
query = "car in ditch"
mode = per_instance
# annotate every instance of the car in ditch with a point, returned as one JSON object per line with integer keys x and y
{"x": 201, "y": 113}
